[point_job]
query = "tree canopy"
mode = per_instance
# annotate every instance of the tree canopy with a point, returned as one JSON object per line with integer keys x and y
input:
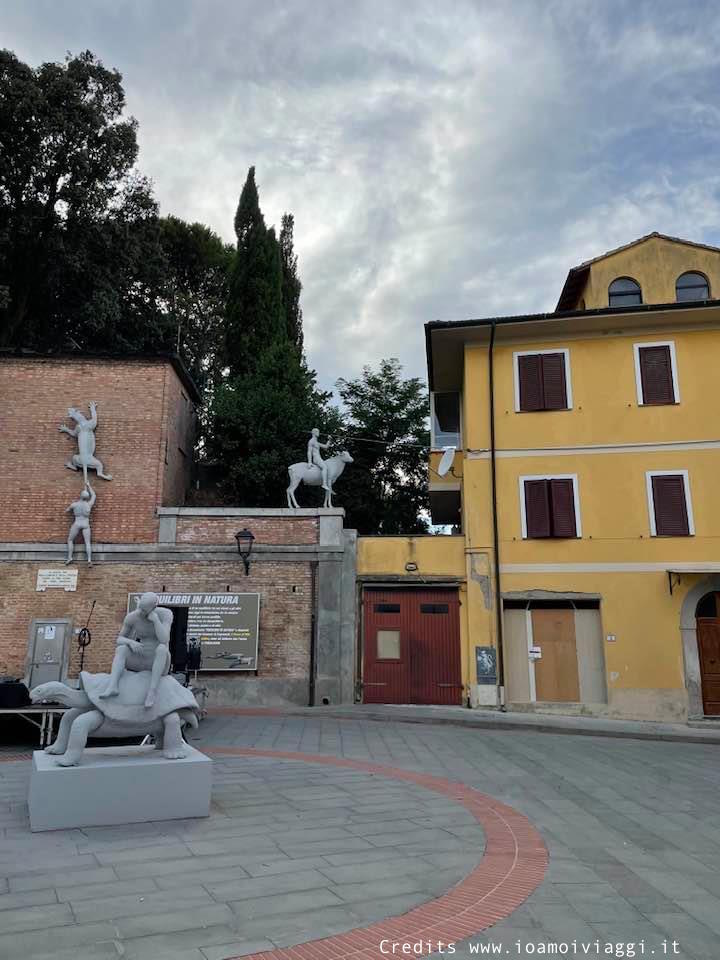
{"x": 386, "y": 429}
{"x": 88, "y": 265}
{"x": 80, "y": 254}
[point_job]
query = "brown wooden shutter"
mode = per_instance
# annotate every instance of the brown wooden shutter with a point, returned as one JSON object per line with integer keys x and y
{"x": 553, "y": 377}
{"x": 671, "y": 516}
{"x": 531, "y": 386}
{"x": 562, "y": 500}
{"x": 537, "y": 508}
{"x": 656, "y": 375}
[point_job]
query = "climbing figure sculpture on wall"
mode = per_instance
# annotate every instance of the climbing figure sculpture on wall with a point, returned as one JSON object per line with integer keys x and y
{"x": 81, "y": 524}
{"x": 84, "y": 433}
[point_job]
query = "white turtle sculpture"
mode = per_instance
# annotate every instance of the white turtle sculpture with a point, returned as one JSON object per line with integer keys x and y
{"x": 122, "y": 716}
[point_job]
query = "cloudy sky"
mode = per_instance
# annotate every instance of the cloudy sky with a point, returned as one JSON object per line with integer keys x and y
{"x": 443, "y": 160}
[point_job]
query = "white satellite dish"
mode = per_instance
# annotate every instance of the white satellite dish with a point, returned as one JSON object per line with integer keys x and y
{"x": 446, "y": 461}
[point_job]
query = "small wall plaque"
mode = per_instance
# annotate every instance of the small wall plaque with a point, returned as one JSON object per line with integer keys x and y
{"x": 60, "y": 579}
{"x": 486, "y": 665}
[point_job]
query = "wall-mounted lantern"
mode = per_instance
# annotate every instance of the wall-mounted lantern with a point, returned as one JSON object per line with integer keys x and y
{"x": 245, "y": 540}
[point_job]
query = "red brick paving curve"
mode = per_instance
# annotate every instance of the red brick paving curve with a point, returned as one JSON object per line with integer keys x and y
{"x": 513, "y": 865}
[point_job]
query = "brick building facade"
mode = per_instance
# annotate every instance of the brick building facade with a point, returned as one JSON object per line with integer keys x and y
{"x": 144, "y": 538}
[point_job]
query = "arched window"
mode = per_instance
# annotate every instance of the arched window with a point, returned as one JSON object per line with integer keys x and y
{"x": 707, "y": 606}
{"x": 624, "y": 292}
{"x": 692, "y": 286}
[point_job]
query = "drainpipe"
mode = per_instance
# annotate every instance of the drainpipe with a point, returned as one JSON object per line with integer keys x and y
{"x": 496, "y": 536}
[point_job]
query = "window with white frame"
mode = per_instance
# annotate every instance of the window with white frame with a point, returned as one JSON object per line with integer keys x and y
{"x": 550, "y": 507}
{"x": 656, "y": 376}
{"x": 542, "y": 380}
{"x": 669, "y": 503}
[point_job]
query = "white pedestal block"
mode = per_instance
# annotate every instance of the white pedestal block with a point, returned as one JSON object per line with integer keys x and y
{"x": 115, "y": 785}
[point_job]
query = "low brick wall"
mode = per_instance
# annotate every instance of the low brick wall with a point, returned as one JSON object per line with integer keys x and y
{"x": 285, "y": 608}
{"x": 273, "y": 530}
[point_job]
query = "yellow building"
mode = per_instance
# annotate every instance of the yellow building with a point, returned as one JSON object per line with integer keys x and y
{"x": 583, "y": 493}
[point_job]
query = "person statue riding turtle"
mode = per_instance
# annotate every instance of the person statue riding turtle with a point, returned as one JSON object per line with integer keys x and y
{"x": 143, "y": 644}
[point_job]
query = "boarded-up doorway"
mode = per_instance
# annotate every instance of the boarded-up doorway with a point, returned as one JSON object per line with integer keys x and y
{"x": 554, "y": 651}
{"x": 556, "y": 673}
{"x": 411, "y": 646}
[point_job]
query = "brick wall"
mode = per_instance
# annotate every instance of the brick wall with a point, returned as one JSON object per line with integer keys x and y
{"x": 178, "y": 454}
{"x": 138, "y": 430}
{"x": 272, "y": 530}
{"x": 285, "y": 615}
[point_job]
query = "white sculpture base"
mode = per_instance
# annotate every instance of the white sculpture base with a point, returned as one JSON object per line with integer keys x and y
{"x": 114, "y": 785}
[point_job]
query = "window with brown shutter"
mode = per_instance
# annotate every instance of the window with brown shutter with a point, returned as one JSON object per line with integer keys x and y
{"x": 656, "y": 373}
{"x": 550, "y": 508}
{"x": 537, "y": 508}
{"x": 562, "y": 501}
{"x": 542, "y": 383}
{"x": 670, "y": 506}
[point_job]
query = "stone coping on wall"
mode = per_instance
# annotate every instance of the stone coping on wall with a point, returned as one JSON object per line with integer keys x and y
{"x": 53, "y": 553}
{"x": 289, "y": 512}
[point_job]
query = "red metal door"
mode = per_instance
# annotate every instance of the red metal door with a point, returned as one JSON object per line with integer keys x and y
{"x": 411, "y": 646}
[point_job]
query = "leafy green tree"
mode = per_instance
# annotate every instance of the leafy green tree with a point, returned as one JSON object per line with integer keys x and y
{"x": 386, "y": 429}
{"x": 291, "y": 285}
{"x": 195, "y": 290}
{"x": 80, "y": 258}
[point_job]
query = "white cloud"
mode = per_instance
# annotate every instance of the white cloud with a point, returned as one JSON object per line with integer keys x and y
{"x": 442, "y": 160}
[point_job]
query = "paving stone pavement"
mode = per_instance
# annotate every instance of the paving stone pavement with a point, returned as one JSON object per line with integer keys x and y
{"x": 294, "y": 852}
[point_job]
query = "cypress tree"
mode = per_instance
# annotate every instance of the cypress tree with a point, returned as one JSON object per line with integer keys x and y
{"x": 254, "y": 313}
{"x": 291, "y": 285}
{"x": 267, "y": 402}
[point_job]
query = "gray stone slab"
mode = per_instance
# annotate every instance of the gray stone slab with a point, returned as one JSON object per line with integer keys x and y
{"x": 118, "y": 785}
{"x": 105, "y": 950}
{"x": 41, "y": 881}
{"x": 173, "y": 921}
{"x": 147, "y": 851}
{"x": 377, "y": 870}
{"x": 140, "y": 903}
{"x": 99, "y": 891}
{"x": 372, "y": 889}
{"x": 239, "y": 948}
{"x": 31, "y": 898}
{"x": 35, "y": 918}
{"x": 302, "y": 901}
{"x": 152, "y": 946}
{"x": 263, "y": 886}
{"x": 22, "y": 864}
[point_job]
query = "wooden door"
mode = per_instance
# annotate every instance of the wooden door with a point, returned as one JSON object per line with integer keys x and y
{"x": 556, "y": 673}
{"x": 386, "y": 662}
{"x": 708, "y": 636}
{"x": 411, "y": 646}
{"x": 434, "y": 622}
